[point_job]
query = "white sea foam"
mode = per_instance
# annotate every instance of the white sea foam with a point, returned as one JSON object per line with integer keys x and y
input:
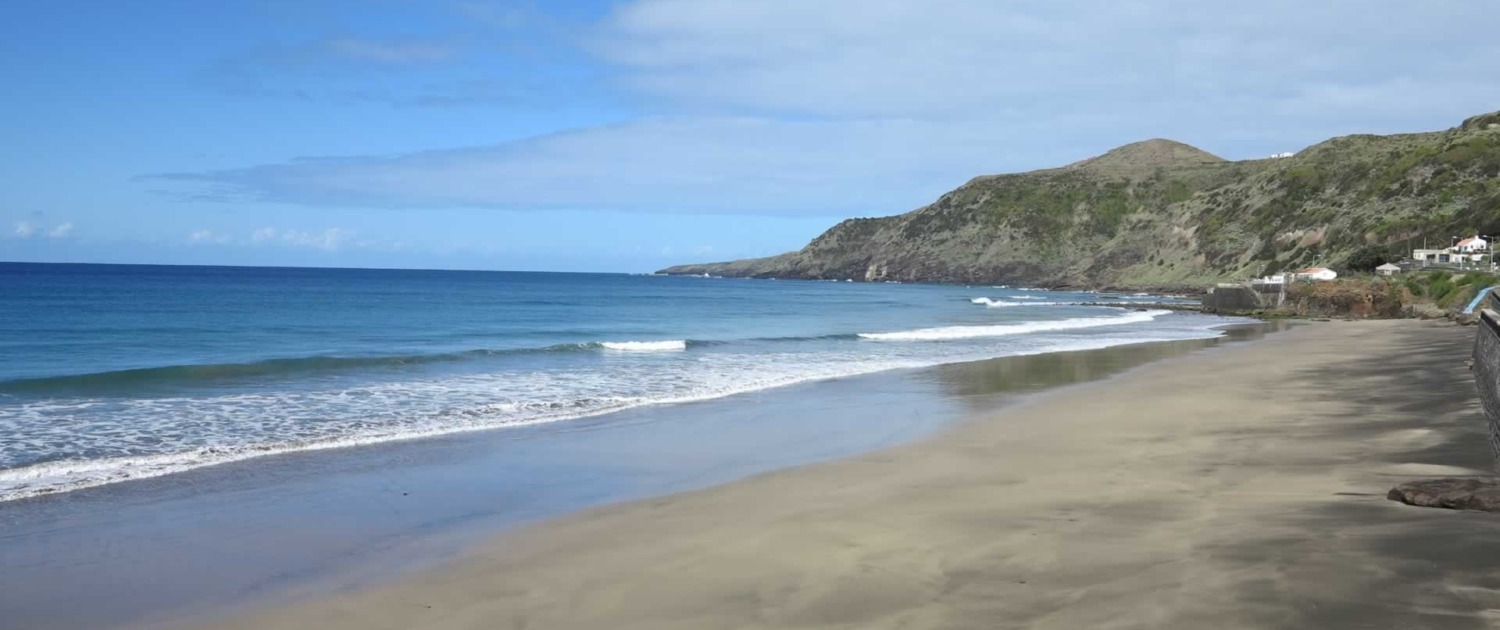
{"x": 970, "y": 332}
{"x": 646, "y": 346}
{"x": 137, "y": 438}
{"x": 993, "y": 303}
{"x": 263, "y": 424}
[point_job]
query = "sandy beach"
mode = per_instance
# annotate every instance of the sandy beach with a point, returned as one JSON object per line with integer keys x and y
{"x": 1239, "y": 487}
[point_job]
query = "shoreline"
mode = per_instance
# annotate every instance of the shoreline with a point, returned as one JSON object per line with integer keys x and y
{"x": 40, "y": 481}
{"x": 218, "y": 540}
{"x": 1135, "y": 501}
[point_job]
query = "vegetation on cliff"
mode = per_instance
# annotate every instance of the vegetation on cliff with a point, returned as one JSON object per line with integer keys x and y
{"x": 1426, "y": 294}
{"x": 1163, "y": 214}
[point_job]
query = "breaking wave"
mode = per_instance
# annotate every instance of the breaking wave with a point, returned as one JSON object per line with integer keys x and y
{"x": 646, "y": 346}
{"x": 993, "y": 303}
{"x": 971, "y": 332}
{"x": 77, "y": 431}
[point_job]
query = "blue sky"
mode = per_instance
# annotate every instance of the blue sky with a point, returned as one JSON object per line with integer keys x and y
{"x": 625, "y": 136}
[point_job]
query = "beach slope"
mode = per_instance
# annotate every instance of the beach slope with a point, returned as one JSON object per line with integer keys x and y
{"x": 1241, "y": 487}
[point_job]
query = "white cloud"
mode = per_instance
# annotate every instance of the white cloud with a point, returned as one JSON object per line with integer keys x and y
{"x": 28, "y": 229}
{"x": 330, "y": 239}
{"x": 1036, "y": 57}
{"x": 208, "y": 236}
{"x": 667, "y": 165}
{"x": 843, "y": 107}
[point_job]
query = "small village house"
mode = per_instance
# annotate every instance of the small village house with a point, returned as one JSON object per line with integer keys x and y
{"x": 1468, "y": 251}
{"x": 1317, "y": 273}
{"x": 1471, "y": 245}
{"x": 1388, "y": 269}
{"x": 1431, "y": 255}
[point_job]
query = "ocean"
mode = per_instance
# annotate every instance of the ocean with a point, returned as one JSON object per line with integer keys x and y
{"x": 114, "y": 372}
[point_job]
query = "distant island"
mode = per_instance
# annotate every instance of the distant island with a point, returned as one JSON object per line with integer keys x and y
{"x": 1161, "y": 214}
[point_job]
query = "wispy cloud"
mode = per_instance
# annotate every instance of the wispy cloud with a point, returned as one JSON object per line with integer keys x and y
{"x": 729, "y": 166}
{"x": 390, "y": 52}
{"x": 208, "y": 236}
{"x": 30, "y": 229}
{"x": 330, "y": 239}
{"x": 978, "y": 59}
{"x": 847, "y": 107}
{"x": 344, "y": 69}
{"x": 502, "y": 15}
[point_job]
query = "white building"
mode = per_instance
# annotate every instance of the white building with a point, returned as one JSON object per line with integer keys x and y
{"x": 1471, "y": 245}
{"x": 1317, "y": 273}
{"x": 1431, "y": 255}
{"x": 1388, "y": 269}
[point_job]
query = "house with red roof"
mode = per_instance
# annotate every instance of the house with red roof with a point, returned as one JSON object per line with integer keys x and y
{"x": 1317, "y": 273}
{"x": 1471, "y": 245}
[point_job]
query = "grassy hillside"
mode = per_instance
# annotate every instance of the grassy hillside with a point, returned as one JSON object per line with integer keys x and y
{"x": 1163, "y": 214}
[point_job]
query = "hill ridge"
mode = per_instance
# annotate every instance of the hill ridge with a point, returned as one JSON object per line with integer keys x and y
{"x": 1164, "y": 214}
{"x": 1152, "y": 153}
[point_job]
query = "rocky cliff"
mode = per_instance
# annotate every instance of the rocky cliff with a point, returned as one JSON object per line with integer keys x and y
{"x": 1163, "y": 214}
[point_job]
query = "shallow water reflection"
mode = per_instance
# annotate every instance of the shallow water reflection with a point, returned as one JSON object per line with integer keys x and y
{"x": 979, "y": 383}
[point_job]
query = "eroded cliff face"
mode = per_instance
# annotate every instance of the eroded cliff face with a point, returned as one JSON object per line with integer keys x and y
{"x": 1162, "y": 214}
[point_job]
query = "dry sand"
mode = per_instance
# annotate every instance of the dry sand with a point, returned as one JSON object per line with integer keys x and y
{"x": 1241, "y": 487}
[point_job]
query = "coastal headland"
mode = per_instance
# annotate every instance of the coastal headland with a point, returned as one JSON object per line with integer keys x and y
{"x": 1240, "y": 487}
{"x": 1160, "y": 215}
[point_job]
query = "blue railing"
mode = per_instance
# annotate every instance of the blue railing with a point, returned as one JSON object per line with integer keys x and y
{"x": 1478, "y": 299}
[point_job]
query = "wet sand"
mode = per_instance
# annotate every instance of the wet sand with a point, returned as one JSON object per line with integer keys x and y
{"x": 1241, "y": 487}
{"x": 223, "y": 540}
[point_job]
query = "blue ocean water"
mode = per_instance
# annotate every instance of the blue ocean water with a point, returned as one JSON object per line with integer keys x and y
{"x": 115, "y": 372}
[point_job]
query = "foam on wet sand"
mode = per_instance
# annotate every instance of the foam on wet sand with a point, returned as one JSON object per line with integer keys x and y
{"x": 1239, "y": 487}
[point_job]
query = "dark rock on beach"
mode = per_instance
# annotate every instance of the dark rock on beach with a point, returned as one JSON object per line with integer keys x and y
{"x": 1455, "y": 494}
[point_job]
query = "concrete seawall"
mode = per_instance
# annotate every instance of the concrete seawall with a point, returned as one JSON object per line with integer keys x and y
{"x": 1232, "y": 299}
{"x": 1244, "y": 298}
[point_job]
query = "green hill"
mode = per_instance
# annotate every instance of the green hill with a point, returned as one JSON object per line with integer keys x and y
{"x": 1162, "y": 214}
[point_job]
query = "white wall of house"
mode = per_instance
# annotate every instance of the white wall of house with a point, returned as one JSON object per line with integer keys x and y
{"x": 1472, "y": 244}
{"x": 1318, "y": 274}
